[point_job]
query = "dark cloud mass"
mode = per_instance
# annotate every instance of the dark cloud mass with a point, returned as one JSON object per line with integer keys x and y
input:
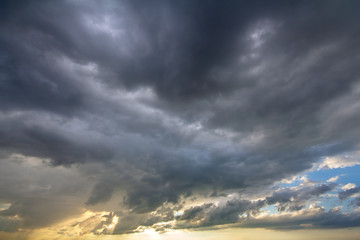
{"x": 154, "y": 103}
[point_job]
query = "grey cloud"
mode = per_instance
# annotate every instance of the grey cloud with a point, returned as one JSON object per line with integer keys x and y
{"x": 316, "y": 218}
{"x": 312, "y": 218}
{"x": 102, "y": 192}
{"x": 229, "y": 212}
{"x": 245, "y": 213}
{"x": 194, "y": 213}
{"x": 348, "y": 193}
{"x": 40, "y": 195}
{"x": 9, "y": 225}
{"x": 37, "y": 139}
{"x": 144, "y": 198}
{"x": 224, "y": 213}
{"x": 295, "y": 199}
{"x": 130, "y": 222}
{"x": 96, "y": 224}
{"x": 237, "y": 95}
{"x": 40, "y": 212}
{"x": 356, "y": 201}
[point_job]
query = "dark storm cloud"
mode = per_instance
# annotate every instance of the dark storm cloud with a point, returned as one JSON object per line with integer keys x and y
{"x": 178, "y": 98}
{"x": 102, "y": 192}
{"x": 38, "y": 140}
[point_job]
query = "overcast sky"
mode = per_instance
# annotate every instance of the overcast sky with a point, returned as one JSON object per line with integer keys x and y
{"x": 179, "y": 116}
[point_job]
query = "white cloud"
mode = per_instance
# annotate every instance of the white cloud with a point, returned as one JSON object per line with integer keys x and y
{"x": 333, "y": 179}
{"x": 289, "y": 179}
{"x": 348, "y": 186}
{"x": 306, "y": 181}
{"x": 338, "y": 162}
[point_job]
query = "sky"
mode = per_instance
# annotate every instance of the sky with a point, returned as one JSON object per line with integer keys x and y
{"x": 179, "y": 119}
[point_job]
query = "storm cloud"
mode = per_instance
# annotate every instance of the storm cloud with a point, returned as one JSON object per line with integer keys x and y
{"x": 147, "y": 104}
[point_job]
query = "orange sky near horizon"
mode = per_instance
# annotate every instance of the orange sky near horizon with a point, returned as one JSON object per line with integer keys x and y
{"x": 224, "y": 234}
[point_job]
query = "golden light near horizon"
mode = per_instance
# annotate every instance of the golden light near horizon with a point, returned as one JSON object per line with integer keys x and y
{"x": 226, "y": 234}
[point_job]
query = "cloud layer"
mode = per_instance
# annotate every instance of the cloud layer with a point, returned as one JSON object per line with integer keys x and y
{"x": 132, "y": 107}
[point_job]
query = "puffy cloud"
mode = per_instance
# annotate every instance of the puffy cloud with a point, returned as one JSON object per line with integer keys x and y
{"x": 333, "y": 179}
{"x": 348, "y": 186}
{"x": 338, "y": 162}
